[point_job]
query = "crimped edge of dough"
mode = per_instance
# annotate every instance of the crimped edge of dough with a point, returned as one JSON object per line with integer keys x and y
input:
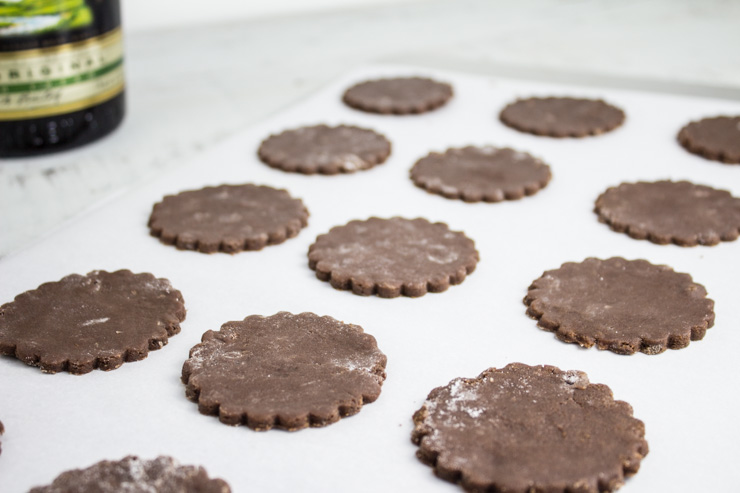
{"x": 264, "y": 154}
{"x": 387, "y": 290}
{"x": 430, "y": 456}
{"x": 171, "y": 325}
{"x": 342, "y": 409}
{"x": 228, "y": 244}
{"x": 687, "y": 143}
{"x": 497, "y": 195}
{"x": 369, "y": 106}
{"x": 593, "y": 131}
{"x": 647, "y": 346}
{"x": 199, "y": 474}
{"x": 637, "y": 233}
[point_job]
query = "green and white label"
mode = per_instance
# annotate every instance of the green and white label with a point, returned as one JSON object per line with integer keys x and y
{"x": 61, "y": 79}
{"x": 27, "y": 17}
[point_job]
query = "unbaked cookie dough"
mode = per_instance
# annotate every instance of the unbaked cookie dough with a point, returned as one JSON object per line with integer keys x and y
{"x": 284, "y": 371}
{"x": 393, "y": 257}
{"x": 325, "y": 150}
{"x": 476, "y": 174}
{"x": 398, "y": 96}
{"x": 99, "y": 320}
{"x": 562, "y": 117}
{"x": 671, "y": 212}
{"x": 529, "y": 428}
{"x": 621, "y": 305}
{"x": 134, "y": 475}
{"x": 227, "y": 218}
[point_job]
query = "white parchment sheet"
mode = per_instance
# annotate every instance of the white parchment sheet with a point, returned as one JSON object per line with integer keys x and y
{"x": 688, "y": 398}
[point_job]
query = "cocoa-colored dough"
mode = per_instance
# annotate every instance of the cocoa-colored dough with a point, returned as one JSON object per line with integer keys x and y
{"x": 284, "y": 371}
{"x": 398, "y": 96}
{"x": 621, "y": 305}
{"x": 134, "y": 475}
{"x": 715, "y": 138}
{"x": 671, "y": 212}
{"x": 227, "y": 218}
{"x": 476, "y": 174}
{"x": 562, "y": 117}
{"x": 325, "y": 150}
{"x": 2, "y": 430}
{"x": 529, "y": 429}
{"x": 392, "y": 257}
{"x": 99, "y": 320}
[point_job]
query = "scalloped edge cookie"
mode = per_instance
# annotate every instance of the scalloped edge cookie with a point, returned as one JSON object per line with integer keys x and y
{"x": 710, "y": 150}
{"x": 637, "y": 230}
{"x": 371, "y": 363}
{"x": 673, "y": 338}
{"x": 167, "y": 324}
{"x": 309, "y": 163}
{"x": 386, "y": 105}
{"x": 478, "y": 189}
{"x": 227, "y": 241}
{"x": 510, "y": 118}
{"x": 446, "y": 454}
{"x": 318, "y": 261}
{"x": 132, "y": 474}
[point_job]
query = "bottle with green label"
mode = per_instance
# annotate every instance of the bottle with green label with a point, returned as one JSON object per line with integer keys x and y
{"x": 61, "y": 74}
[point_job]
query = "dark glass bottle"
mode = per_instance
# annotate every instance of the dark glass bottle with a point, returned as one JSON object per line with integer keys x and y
{"x": 61, "y": 74}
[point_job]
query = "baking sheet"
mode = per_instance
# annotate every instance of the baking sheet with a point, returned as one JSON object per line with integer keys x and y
{"x": 688, "y": 399}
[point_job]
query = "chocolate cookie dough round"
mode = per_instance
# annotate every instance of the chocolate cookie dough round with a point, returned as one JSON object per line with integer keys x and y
{"x": 284, "y": 371}
{"x": 715, "y": 138}
{"x": 398, "y": 96}
{"x": 475, "y": 174}
{"x": 134, "y": 475}
{"x": 562, "y": 117}
{"x": 99, "y": 320}
{"x": 393, "y": 257}
{"x": 671, "y": 212}
{"x": 325, "y": 150}
{"x": 621, "y": 305}
{"x": 2, "y": 430}
{"x": 227, "y": 218}
{"x": 529, "y": 428}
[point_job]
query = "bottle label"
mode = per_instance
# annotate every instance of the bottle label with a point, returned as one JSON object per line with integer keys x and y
{"x": 61, "y": 79}
{"x": 24, "y": 17}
